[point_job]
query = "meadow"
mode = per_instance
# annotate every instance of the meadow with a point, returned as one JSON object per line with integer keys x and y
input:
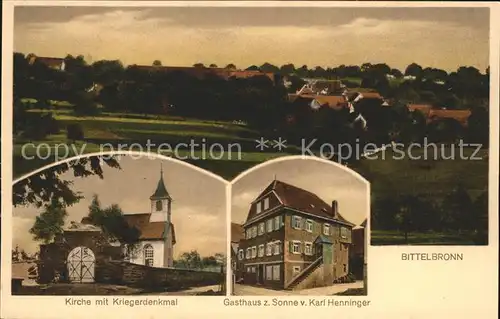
{"x": 389, "y": 176}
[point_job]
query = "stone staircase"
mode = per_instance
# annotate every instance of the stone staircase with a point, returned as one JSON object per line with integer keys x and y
{"x": 304, "y": 274}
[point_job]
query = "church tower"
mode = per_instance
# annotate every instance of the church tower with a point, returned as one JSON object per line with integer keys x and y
{"x": 161, "y": 205}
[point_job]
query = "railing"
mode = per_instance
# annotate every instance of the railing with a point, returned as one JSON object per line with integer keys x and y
{"x": 304, "y": 273}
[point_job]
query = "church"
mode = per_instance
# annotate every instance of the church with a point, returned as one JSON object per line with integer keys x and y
{"x": 157, "y": 239}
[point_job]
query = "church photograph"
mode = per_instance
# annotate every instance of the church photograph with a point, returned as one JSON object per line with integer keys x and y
{"x": 298, "y": 227}
{"x": 120, "y": 224}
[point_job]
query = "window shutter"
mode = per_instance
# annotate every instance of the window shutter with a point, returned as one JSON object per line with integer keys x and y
{"x": 292, "y": 218}
{"x": 302, "y": 223}
{"x": 290, "y": 247}
{"x": 282, "y": 220}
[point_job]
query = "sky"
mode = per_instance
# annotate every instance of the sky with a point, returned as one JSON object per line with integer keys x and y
{"x": 327, "y": 180}
{"x": 198, "y": 207}
{"x": 444, "y": 38}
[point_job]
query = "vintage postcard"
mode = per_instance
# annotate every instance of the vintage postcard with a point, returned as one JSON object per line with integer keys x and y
{"x": 250, "y": 158}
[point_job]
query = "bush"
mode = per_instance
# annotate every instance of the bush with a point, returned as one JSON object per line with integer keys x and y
{"x": 74, "y": 132}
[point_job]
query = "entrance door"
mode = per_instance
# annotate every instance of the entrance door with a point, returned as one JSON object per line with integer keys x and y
{"x": 260, "y": 274}
{"x": 81, "y": 265}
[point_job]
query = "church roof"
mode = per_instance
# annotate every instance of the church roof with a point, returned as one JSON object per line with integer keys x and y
{"x": 149, "y": 230}
{"x": 161, "y": 191}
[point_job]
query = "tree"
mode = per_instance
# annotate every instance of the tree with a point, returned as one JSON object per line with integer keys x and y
{"x": 16, "y": 254}
{"x": 48, "y": 186}
{"x": 231, "y": 66}
{"x": 480, "y": 209}
{"x": 478, "y": 127}
{"x": 213, "y": 65}
{"x": 413, "y": 70}
{"x": 74, "y": 132}
{"x": 198, "y": 65}
{"x": 50, "y": 222}
{"x": 190, "y": 260}
{"x": 157, "y": 63}
{"x": 113, "y": 224}
{"x": 253, "y": 68}
{"x": 457, "y": 210}
{"x": 268, "y": 67}
{"x": 287, "y": 69}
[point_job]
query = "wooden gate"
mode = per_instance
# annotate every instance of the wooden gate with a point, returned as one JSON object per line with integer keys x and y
{"x": 81, "y": 265}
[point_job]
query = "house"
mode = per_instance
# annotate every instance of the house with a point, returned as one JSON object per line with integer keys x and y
{"x": 315, "y": 102}
{"x": 53, "y": 63}
{"x": 237, "y": 234}
{"x": 423, "y": 108}
{"x": 294, "y": 240}
{"x": 157, "y": 233}
{"x": 322, "y": 87}
{"x": 432, "y": 114}
{"x": 202, "y": 73}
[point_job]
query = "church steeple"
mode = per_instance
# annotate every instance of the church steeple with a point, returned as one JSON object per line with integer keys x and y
{"x": 161, "y": 191}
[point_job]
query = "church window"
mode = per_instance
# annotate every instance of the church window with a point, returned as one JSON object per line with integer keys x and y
{"x": 148, "y": 255}
{"x": 159, "y": 206}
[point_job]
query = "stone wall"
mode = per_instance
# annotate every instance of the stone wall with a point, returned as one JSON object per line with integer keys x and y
{"x": 157, "y": 278}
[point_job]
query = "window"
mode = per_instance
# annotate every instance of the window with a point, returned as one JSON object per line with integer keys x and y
{"x": 309, "y": 225}
{"x": 254, "y": 252}
{"x": 261, "y": 228}
{"x": 148, "y": 255}
{"x": 296, "y": 270}
{"x": 269, "y": 249}
{"x": 343, "y": 232}
{"x": 266, "y": 203}
{"x": 253, "y": 269}
{"x": 269, "y": 272}
{"x": 254, "y": 231}
{"x": 248, "y": 233}
{"x": 296, "y": 247}
{"x": 326, "y": 229}
{"x": 261, "y": 250}
{"x": 240, "y": 254}
{"x": 259, "y": 207}
{"x": 308, "y": 248}
{"x": 277, "y": 222}
{"x": 296, "y": 222}
{"x": 249, "y": 269}
{"x": 159, "y": 205}
{"x": 276, "y": 272}
{"x": 277, "y": 247}
{"x": 269, "y": 225}
{"x": 345, "y": 268}
{"x": 249, "y": 253}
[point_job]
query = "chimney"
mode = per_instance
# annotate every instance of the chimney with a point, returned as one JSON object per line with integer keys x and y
{"x": 335, "y": 209}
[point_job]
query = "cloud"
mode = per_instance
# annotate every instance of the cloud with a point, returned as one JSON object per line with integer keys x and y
{"x": 139, "y": 36}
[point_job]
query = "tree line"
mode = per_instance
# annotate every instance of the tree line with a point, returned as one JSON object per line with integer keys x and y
{"x": 457, "y": 213}
{"x": 257, "y": 101}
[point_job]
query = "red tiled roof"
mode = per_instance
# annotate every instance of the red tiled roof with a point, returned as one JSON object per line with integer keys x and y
{"x": 372, "y": 95}
{"x": 201, "y": 73}
{"x": 237, "y": 232}
{"x": 461, "y": 116}
{"x": 149, "y": 230}
{"x": 424, "y": 108}
{"x": 332, "y": 101}
{"x": 302, "y": 200}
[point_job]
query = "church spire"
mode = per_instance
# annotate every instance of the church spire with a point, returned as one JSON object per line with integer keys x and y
{"x": 161, "y": 191}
